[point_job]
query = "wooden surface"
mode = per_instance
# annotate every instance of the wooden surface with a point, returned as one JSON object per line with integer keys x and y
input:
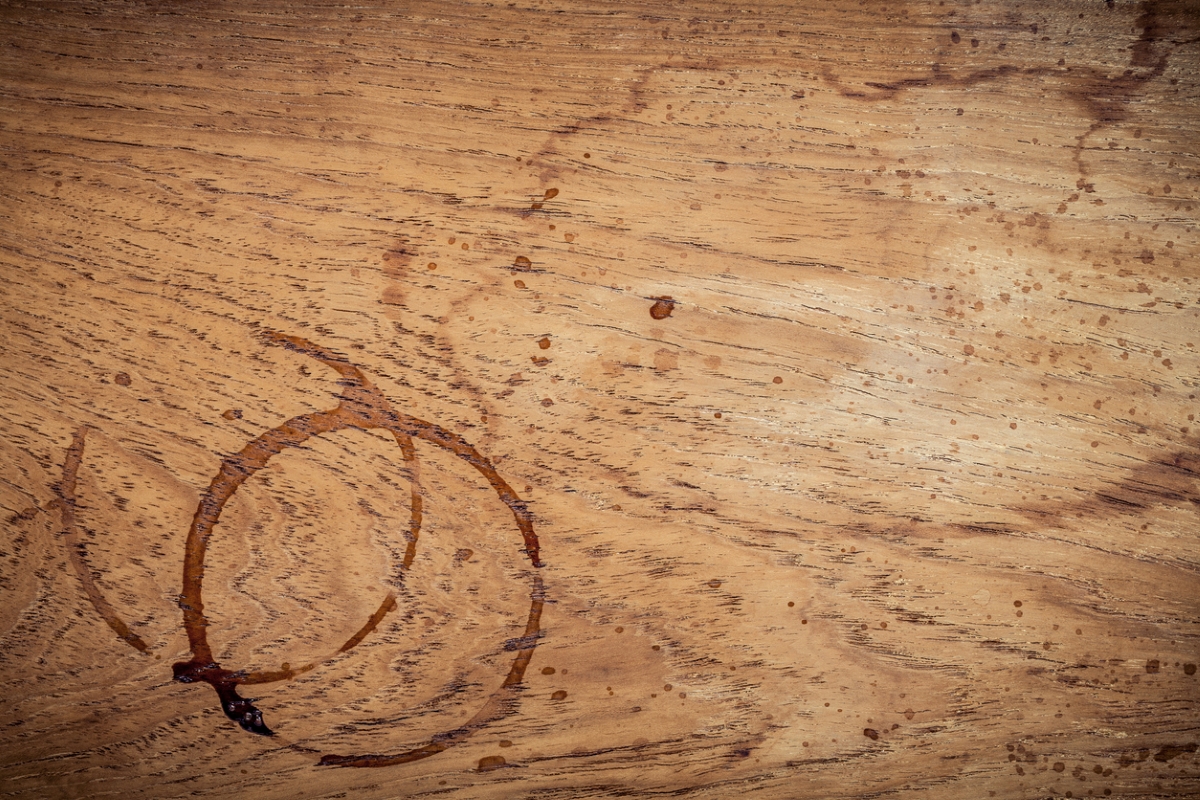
{"x": 844, "y": 357}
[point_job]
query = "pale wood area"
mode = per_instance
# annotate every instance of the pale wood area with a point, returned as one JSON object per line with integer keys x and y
{"x": 895, "y": 493}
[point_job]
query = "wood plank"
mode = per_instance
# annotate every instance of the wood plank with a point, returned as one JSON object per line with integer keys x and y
{"x": 573, "y": 399}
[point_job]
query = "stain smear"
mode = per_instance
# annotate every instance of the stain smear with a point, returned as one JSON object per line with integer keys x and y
{"x": 1105, "y": 98}
{"x": 65, "y": 490}
{"x": 500, "y": 704}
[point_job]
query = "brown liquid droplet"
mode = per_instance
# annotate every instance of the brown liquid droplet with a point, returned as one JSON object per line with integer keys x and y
{"x": 777, "y": 379}
{"x": 519, "y": 284}
{"x": 559, "y": 695}
{"x": 233, "y": 413}
{"x": 548, "y": 670}
{"x": 489, "y": 763}
{"x": 714, "y": 583}
{"x": 662, "y": 308}
{"x": 122, "y": 379}
{"x": 871, "y": 733}
{"x": 547, "y": 402}
{"x": 544, "y": 342}
{"x": 522, "y": 263}
{"x": 551, "y": 193}
{"x": 505, "y": 743}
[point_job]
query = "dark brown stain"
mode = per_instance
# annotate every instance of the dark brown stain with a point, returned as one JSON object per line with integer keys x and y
{"x": 662, "y": 308}
{"x": 1170, "y": 751}
{"x": 361, "y": 406}
{"x": 122, "y": 379}
{"x": 489, "y": 763}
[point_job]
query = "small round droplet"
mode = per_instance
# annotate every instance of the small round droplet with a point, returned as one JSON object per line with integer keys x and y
{"x": 548, "y": 670}
{"x": 777, "y": 379}
{"x": 714, "y": 583}
{"x": 551, "y": 193}
{"x": 122, "y": 379}
{"x": 559, "y": 695}
{"x": 233, "y": 413}
{"x": 544, "y": 342}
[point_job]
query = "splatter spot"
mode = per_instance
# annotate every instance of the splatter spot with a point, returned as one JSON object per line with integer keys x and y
{"x": 489, "y": 763}
{"x": 123, "y": 379}
{"x": 559, "y": 695}
{"x": 662, "y": 308}
{"x": 522, "y": 263}
{"x": 871, "y": 733}
{"x": 233, "y": 413}
{"x": 548, "y": 670}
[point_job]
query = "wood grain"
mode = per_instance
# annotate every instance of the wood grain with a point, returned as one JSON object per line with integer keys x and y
{"x": 844, "y": 357}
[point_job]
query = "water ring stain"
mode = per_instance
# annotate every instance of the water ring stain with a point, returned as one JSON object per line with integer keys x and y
{"x": 361, "y": 406}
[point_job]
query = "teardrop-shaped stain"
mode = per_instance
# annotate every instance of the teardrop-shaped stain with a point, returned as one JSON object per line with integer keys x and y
{"x": 551, "y": 193}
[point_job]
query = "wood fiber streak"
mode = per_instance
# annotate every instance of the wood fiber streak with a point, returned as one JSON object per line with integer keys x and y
{"x": 842, "y": 355}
